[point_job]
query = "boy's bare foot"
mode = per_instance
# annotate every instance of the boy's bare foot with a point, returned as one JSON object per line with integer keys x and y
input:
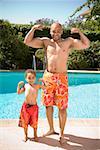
{"x": 25, "y": 139}
{"x": 50, "y": 132}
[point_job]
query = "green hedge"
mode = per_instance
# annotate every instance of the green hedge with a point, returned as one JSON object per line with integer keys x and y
{"x": 14, "y": 54}
{"x": 85, "y": 59}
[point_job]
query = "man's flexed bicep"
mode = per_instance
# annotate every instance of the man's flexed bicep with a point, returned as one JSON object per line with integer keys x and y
{"x": 83, "y": 43}
{"x": 31, "y": 41}
{"x": 36, "y": 43}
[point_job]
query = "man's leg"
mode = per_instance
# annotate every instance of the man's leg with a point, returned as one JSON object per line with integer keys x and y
{"x": 62, "y": 121}
{"x": 49, "y": 114}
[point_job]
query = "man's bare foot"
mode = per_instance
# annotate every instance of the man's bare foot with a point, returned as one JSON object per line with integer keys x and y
{"x": 36, "y": 139}
{"x": 62, "y": 140}
{"x": 50, "y": 132}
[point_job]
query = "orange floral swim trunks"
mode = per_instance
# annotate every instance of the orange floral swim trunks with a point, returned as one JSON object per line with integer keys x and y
{"x": 56, "y": 92}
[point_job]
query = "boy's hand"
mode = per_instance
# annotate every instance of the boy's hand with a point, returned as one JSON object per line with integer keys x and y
{"x": 20, "y": 87}
{"x": 21, "y": 84}
{"x": 40, "y": 79}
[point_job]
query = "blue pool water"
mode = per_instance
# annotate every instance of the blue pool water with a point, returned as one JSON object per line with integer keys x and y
{"x": 83, "y": 95}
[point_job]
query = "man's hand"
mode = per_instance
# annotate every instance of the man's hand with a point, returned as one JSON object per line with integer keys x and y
{"x": 38, "y": 27}
{"x": 75, "y": 30}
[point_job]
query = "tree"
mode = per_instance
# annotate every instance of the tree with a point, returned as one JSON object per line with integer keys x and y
{"x": 45, "y": 21}
{"x": 13, "y": 52}
{"x": 85, "y": 59}
{"x": 93, "y": 9}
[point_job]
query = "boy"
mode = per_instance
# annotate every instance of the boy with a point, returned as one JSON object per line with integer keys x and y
{"x": 29, "y": 110}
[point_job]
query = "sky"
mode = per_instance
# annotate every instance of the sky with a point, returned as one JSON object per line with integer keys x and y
{"x": 26, "y": 11}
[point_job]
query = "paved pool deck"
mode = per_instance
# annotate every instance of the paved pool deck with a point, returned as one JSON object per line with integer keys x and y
{"x": 80, "y": 134}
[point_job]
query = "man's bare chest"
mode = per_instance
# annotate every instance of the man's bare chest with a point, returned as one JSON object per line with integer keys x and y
{"x": 56, "y": 50}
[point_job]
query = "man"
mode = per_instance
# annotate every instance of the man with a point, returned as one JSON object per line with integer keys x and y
{"x": 55, "y": 77}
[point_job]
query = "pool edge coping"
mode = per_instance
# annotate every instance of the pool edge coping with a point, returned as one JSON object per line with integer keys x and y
{"x": 70, "y": 71}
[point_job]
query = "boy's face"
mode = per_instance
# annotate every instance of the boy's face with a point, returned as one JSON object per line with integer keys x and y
{"x": 30, "y": 78}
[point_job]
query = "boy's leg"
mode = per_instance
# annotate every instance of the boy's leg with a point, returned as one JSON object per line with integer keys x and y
{"x": 35, "y": 132}
{"x": 25, "y": 133}
{"x": 33, "y": 122}
{"x": 35, "y": 135}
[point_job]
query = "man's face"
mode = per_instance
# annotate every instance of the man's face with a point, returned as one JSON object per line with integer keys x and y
{"x": 56, "y": 32}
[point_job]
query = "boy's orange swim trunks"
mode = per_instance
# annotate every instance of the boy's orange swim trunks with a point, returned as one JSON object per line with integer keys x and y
{"x": 28, "y": 115}
{"x": 56, "y": 92}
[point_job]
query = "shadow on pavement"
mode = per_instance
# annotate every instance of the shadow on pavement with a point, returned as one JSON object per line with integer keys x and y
{"x": 72, "y": 142}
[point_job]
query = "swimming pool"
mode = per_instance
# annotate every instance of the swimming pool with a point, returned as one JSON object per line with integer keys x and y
{"x": 83, "y": 95}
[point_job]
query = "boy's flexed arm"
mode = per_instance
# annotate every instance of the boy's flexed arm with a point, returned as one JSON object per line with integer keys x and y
{"x": 34, "y": 42}
{"x": 20, "y": 87}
